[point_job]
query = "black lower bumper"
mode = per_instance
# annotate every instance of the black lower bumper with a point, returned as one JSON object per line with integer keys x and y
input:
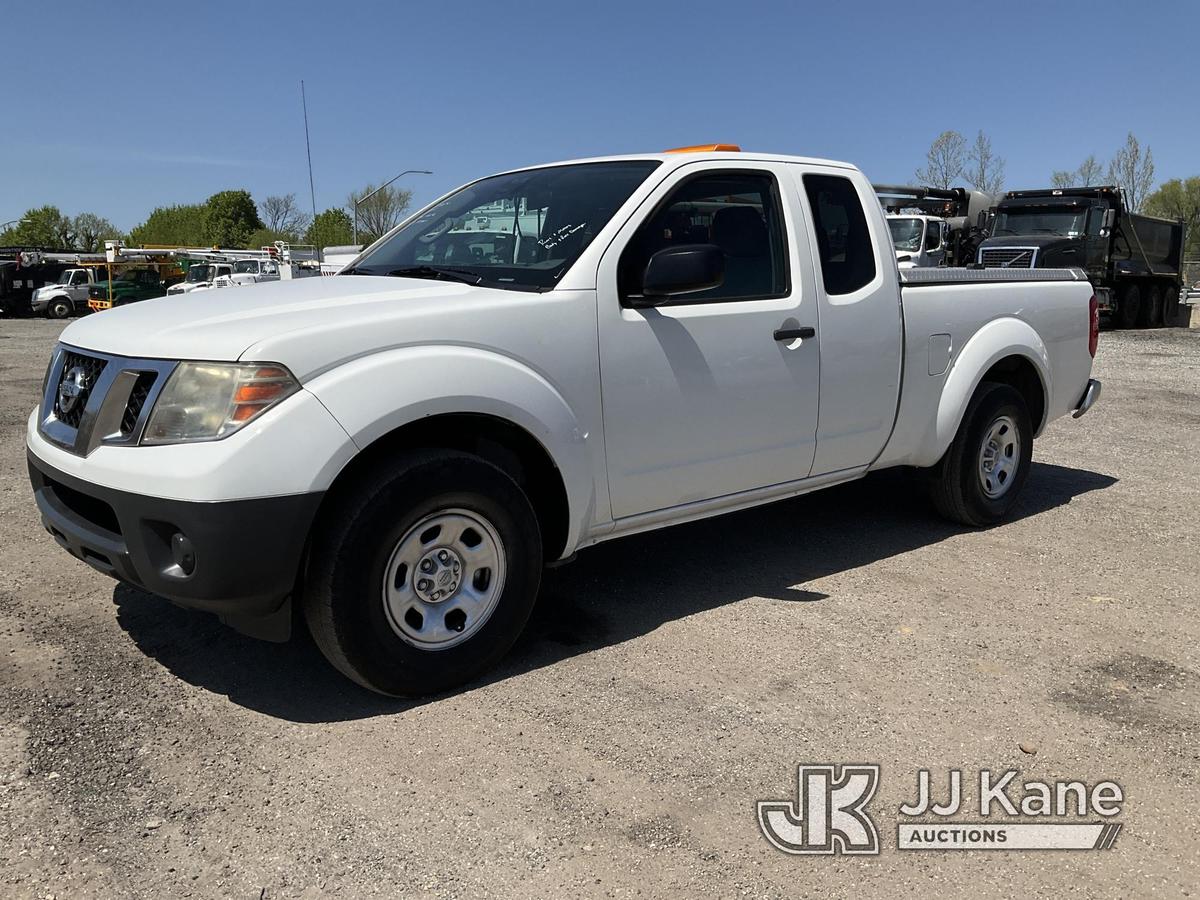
{"x": 237, "y": 558}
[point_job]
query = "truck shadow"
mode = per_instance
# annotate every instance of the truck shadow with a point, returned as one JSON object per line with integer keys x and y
{"x": 612, "y": 593}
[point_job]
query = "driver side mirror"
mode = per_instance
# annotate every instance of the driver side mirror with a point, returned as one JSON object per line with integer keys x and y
{"x": 680, "y": 270}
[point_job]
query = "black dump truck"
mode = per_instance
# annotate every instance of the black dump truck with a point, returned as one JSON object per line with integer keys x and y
{"x": 1133, "y": 261}
{"x": 22, "y": 271}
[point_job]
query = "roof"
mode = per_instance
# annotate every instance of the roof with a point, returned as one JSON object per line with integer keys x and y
{"x": 677, "y": 159}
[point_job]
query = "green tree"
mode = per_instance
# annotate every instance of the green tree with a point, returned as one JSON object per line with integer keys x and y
{"x": 91, "y": 231}
{"x": 331, "y": 228}
{"x": 44, "y": 226}
{"x": 229, "y": 218}
{"x": 172, "y": 226}
{"x": 1179, "y": 199}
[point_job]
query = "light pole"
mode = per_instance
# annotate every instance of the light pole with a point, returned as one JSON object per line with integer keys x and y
{"x": 380, "y": 188}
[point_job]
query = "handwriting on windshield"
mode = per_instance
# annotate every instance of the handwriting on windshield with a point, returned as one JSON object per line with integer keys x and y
{"x": 556, "y": 237}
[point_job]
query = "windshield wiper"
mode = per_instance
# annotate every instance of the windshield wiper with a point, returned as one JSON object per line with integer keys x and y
{"x": 462, "y": 275}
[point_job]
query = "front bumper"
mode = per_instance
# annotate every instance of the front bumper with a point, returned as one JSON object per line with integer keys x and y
{"x": 237, "y": 558}
{"x": 1090, "y": 395}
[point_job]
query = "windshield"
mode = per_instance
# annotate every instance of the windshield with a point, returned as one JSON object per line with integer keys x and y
{"x": 1039, "y": 220}
{"x": 65, "y": 277}
{"x": 199, "y": 273}
{"x": 906, "y": 233}
{"x": 522, "y": 230}
{"x": 245, "y": 266}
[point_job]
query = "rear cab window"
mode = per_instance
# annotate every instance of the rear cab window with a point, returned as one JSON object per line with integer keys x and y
{"x": 844, "y": 242}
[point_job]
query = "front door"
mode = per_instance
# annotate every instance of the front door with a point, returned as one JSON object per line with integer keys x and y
{"x": 701, "y": 400}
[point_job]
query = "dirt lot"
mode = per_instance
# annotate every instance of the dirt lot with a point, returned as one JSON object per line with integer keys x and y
{"x": 667, "y": 682}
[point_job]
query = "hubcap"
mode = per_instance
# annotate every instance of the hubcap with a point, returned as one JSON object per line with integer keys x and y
{"x": 999, "y": 457}
{"x": 444, "y": 579}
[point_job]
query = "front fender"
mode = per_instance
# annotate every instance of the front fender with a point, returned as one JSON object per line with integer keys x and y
{"x": 374, "y": 395}
{"x": 995, "y": 341}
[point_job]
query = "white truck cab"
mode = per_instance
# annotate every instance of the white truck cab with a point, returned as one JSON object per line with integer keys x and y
{"x": 661, "y": 337}
{"x": 201, "y": 276}
{"x": 920, "y": 240}
{"x": 248, "y": 271}
{"x": 65, "y": 297}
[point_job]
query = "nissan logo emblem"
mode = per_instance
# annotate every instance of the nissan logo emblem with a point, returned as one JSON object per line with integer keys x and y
{"x": 72, "y": 389}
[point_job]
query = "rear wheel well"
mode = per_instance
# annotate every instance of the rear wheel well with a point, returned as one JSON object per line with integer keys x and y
{"x": 1021, "y": 374}
{"x": 500, "y": 442}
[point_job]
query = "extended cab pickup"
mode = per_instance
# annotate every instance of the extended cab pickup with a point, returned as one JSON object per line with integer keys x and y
{"x": 659, "y": 338}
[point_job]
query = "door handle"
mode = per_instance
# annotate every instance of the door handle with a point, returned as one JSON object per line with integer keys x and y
{"x": 791, "y": 334}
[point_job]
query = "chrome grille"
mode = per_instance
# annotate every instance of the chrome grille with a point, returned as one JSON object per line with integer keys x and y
{"x": 1008, "y": 257}
{"x": 137, "y": 400}
{"x": 86, "y": 370}
{"x": 108, "y": 398}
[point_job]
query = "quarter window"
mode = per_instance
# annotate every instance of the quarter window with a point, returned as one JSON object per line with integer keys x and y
{"x": 843, "y": 241}
{"x": 740, "y": 213}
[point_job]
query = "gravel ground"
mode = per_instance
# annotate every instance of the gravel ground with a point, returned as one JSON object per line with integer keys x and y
{"x": 666, "y": 683}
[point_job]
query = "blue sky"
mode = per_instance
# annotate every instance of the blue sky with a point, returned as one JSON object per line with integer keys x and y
{"x": 120, "y": 108}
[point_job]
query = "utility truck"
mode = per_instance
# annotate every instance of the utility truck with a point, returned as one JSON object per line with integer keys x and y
{"x": 1133, "y": 261}
{"x": 69, "y": 294}
{"x": 399, "y": 449}
{"x": 935, "y": 226}
{"x": 201, "y": 276}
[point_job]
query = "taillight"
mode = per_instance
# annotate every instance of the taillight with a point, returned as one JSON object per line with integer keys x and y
{"x": 1093, "y": 326}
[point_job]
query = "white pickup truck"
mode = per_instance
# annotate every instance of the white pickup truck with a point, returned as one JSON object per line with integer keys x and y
{"x": 401, "y": 448}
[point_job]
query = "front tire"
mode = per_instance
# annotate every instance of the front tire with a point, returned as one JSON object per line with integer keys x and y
{"x": 423, "y": 573}
{"x": 978, "y": 480}
{"x": 59, "y": 309}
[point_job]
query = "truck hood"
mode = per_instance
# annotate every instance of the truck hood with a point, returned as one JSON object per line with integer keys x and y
{"x": 298, "y": 322}
{"x": 1054, "y": 250}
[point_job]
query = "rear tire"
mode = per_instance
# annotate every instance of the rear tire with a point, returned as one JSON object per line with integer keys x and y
{"x": 1151, "y": 316}
{"x": 1170, "y": 304}
{"x": 983, "y": 471}
{"x": 1129, "y": 307}
{"x": 59, "y": 309}
{"x": 423, "y": 573}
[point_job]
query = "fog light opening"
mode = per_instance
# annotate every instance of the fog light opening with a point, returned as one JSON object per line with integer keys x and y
{"x": 183, "y": 554}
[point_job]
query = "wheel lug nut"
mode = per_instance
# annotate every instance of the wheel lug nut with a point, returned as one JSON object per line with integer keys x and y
{"x": 444, "y": 556}
{"x": 427, "y": 565}
{"x": 424, "y": 584}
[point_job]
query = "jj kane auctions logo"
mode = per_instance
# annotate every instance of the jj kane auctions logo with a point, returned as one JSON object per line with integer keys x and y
{"x": 830, "y": 815}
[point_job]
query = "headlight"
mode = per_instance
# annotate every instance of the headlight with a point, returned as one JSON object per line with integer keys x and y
{"x": 207, "y": 401}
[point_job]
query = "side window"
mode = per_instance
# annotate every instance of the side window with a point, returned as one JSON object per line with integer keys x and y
{"x": 843, "y": 241}
{"x": 740, "y": 212}
{"x": 79, "y": 278}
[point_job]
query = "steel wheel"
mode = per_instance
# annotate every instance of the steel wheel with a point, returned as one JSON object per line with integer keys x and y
{"x": 999, "y": 457}
{"x": 444, "y": 579}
